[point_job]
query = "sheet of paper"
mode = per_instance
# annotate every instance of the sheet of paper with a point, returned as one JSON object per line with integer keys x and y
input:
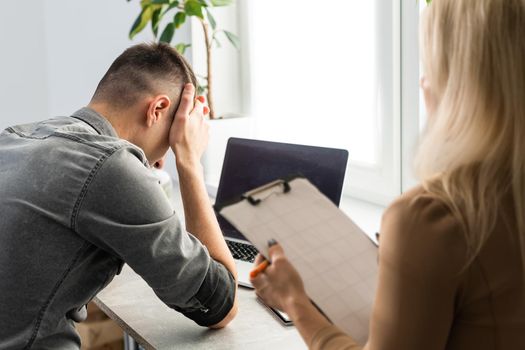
{"x": 337, "y": 261}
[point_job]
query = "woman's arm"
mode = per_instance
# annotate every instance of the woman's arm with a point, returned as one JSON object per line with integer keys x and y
{"x": 281, "y": 287}
{"x": 316, "y": 331}
{"x": 421, "y": 256}
{"x": 421, "y": 259}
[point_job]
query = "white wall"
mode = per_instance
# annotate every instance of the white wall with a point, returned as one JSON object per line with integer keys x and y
{"x": 52, "y": 60}
{"x": 23, "y": 78}
{"x": 83, "y": 38}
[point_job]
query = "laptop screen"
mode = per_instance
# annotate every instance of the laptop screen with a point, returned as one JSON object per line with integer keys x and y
{"x": 252, "y": 163}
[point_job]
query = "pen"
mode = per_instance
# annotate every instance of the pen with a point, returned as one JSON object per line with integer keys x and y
{"x": 260, "y": 268}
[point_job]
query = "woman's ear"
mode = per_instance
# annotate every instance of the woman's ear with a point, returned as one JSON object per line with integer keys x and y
{"x": 430, "y": 100}
{"x": 158, "y": 108}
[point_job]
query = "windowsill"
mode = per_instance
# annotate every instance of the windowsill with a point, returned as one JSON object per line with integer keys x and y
{"x": 365, "y": 214}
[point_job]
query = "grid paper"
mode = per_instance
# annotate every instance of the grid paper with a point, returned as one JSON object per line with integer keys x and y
{"x": 335, "y": 258}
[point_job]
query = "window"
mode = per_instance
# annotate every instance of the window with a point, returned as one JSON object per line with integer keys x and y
{"x": 330, "y": 75}
{"x": 343, "y": 74}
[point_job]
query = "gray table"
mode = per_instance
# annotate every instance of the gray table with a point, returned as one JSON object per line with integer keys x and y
{"x": 132, "y": 304}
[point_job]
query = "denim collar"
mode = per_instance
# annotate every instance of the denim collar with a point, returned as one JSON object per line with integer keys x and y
{"x": 96, "y": 121}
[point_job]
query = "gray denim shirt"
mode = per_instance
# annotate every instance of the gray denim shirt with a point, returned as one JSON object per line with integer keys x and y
{"x": 76, "y": 202}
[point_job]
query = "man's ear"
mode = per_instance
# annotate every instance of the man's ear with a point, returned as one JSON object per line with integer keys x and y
{"x": 158, "y": 108}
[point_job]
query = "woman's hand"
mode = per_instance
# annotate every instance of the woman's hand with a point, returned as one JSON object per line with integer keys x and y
{"x": 279, "y": 285}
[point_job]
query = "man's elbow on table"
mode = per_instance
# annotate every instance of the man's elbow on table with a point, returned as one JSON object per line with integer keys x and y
{"x": 229, "y": 317}
{"x": 216, "y": 300}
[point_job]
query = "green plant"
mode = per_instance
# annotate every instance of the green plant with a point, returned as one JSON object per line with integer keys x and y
{"x": 154, "y": 11}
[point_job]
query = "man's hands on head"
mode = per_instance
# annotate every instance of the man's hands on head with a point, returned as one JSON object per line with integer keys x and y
{"x": 189, "y": 132}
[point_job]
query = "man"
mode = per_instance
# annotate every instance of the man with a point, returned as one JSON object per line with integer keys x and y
{"x": 77, "y": 200}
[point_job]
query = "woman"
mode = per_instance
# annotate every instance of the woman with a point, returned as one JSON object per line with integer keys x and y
{"x": 452, "y": 252}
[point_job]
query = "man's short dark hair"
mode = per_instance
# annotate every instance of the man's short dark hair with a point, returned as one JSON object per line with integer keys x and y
{"x": 145, "y": 69}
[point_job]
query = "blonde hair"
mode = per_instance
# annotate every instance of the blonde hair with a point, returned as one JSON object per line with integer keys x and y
{"x": 472, "y": 155}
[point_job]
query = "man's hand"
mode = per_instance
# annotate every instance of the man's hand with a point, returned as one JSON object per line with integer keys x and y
{"x": 189, "y": 131}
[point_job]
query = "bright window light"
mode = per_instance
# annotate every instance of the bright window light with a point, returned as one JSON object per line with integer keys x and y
{"x": 316, "y": 77}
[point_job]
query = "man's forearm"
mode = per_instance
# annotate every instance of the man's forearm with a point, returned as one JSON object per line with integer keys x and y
{"x": 199, "y": 215}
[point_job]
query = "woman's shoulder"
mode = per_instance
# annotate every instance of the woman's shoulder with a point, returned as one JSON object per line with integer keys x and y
{"x": 419, "y": 224}
{"x": 418, "y": 203}
{"x": 420, "y": 208}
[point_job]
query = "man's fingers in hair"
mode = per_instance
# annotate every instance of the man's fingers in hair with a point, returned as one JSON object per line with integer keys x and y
{"x": 198, "y": 109}
{"x": 205, "y": 108}
{"x": 186, "y": 101}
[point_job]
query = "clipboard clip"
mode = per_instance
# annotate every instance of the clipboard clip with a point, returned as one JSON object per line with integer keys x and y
{"x": 251, "y": 195}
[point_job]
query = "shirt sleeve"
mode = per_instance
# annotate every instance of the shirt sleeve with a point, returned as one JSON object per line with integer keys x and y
{"x": 123, "y": 210}
{"x": 422, "y": 255}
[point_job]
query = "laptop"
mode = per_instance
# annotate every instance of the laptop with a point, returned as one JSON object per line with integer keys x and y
{"x": 251, "y": 163}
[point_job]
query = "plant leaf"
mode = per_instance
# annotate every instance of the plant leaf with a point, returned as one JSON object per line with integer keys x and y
{"x": 201, "y": 89}
{"x": 167, "y": 33}
{"x": 171, "y": 6}
{"x": 179, "y": 19}
{"x": 217, "y": 42}
{"x": 218, "y": 3}
{"x": 193, "y": 8}
{"x": 135, "y": 25}
{"x": 161, "y": 2}
{"x": 141, "y": 21}
{"x": 234, "y": 39}
{"x": 211, "y": 19}
{"x": 181, "y": 47}
{"x": 155, "y": 20}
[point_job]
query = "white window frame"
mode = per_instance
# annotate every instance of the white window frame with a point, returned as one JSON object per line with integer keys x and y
{"x": 411, "y": 123}
{"x": 381, "y": 184}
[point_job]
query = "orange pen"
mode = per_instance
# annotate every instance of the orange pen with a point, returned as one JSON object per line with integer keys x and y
{"x": 260, "y": 268}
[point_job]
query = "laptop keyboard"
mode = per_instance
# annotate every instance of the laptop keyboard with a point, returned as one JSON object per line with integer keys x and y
{"x": 242, "y": 251}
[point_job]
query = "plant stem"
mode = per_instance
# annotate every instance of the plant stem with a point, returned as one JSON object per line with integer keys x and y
{"x": 209, "y": 79}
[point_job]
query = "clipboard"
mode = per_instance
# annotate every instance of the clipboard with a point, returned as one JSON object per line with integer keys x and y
{"x": 335, "y": 258}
